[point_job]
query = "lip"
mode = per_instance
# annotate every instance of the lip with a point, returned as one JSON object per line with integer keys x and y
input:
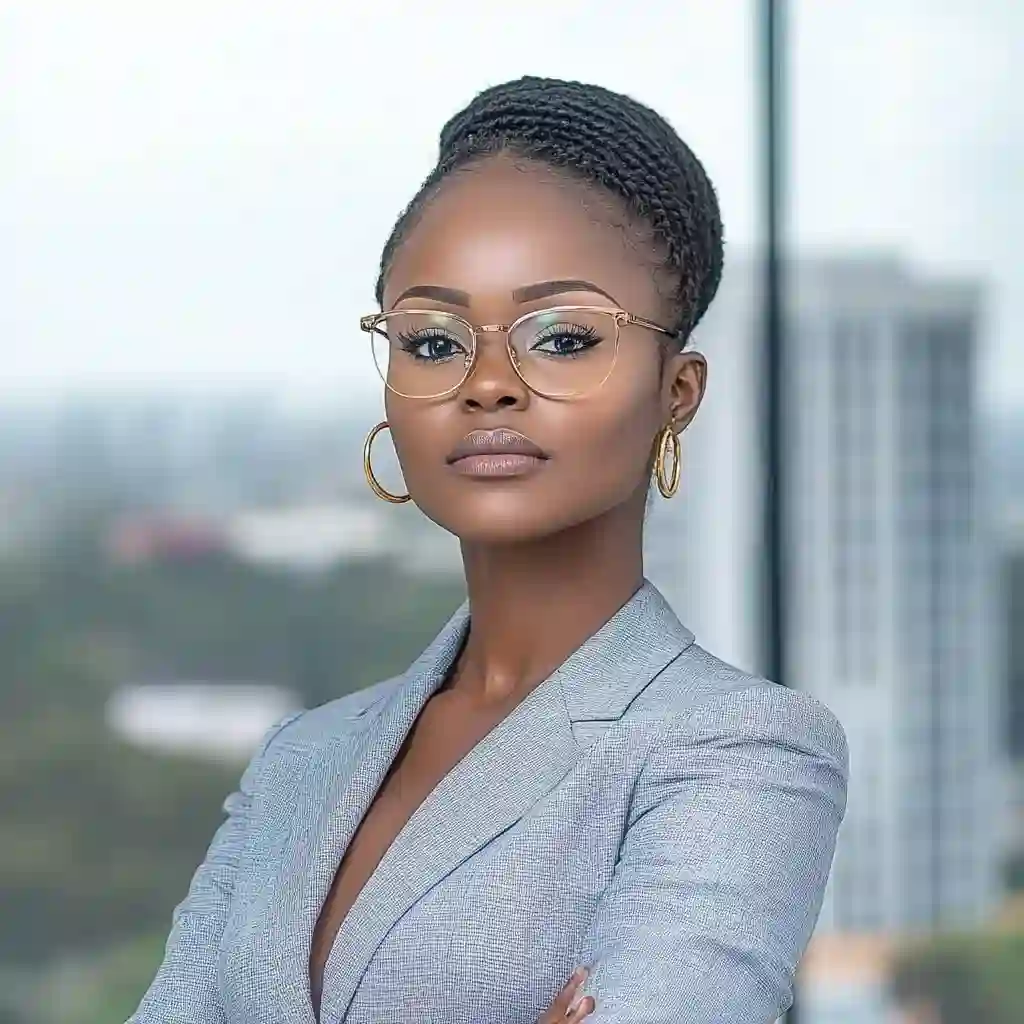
{"x": 496, "y": 453}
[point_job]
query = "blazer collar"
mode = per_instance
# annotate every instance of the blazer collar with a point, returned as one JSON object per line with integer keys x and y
{"x": 603, "y": 676}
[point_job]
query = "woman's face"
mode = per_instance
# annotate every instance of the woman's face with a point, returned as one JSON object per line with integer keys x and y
{"x": 496, "y": 233}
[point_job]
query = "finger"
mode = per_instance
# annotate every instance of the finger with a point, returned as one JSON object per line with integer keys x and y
{"x": 585, "y": 1006}
{"x": 562, "y": 1001}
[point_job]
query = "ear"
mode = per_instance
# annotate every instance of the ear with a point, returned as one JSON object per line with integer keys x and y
{"x": 683, "y": 384}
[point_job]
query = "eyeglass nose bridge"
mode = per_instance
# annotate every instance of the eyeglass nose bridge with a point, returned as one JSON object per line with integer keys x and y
{"x": 505, "y": 329}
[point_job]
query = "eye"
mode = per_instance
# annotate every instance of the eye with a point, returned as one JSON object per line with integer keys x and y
{"x": 566, "y": 339}
{"x": 431, "y": 344}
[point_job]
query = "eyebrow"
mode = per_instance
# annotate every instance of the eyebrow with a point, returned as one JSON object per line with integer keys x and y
{"x": 545, "y": 289}
{"x": 528, "y": 293}
{"x": 452, "y": 296}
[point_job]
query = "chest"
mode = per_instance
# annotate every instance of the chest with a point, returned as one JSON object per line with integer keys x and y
{"x": 464, "y": 887}
{"x": 445, "y": 731}
{"x": 506, "y": 926}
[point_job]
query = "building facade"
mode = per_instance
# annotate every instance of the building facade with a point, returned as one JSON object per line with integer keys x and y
{"x": 889, "y": 583}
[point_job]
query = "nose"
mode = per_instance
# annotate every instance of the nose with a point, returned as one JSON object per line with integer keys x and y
{"x": 493, "y": 383}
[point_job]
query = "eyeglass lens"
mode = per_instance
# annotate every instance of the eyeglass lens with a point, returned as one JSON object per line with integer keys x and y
{"x": 556, "y": 352}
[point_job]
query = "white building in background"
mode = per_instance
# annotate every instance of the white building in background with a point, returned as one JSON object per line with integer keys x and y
{"x": 891, "y": 596}
{"x": 893, "y": 599}
{"x": 307, "y": 538}
{"x": 217, "y": 721}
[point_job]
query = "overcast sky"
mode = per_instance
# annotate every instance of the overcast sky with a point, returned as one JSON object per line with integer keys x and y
{"x": 195, "y": 192}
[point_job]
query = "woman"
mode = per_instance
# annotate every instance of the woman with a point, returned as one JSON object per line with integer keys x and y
{"x": 564, "y": 778}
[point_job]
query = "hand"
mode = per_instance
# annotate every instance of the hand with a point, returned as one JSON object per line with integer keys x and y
{"x": 560, "y": 1008}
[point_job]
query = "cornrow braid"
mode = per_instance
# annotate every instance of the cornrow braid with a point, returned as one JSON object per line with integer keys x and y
{"x": 604, "y": 139}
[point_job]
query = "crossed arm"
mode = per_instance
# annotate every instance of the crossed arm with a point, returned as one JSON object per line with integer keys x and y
{"x": 717, "y": 889}
{"x": 723, "y": 869}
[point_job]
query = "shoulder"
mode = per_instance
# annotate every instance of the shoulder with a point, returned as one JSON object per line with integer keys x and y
{"x": 736, "y": 744}
{"x": 700, "y": 699}
{"x": 355, "y": 704}
{"x": 336, "y": 716}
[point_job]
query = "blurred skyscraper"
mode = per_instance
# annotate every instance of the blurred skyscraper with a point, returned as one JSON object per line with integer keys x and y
{"x": 890, "y": 589}
{"x": 892, "y": 596}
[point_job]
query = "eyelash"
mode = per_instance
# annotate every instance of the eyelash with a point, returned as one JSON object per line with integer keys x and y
{"x": 578, "y": 332}
{"x": 412, "y": 342}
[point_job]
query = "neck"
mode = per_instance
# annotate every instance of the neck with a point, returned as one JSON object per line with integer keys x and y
{"x": 533, "y": 604}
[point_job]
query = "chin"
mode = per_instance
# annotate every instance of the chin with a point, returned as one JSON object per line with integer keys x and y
{"x": 500, "y": 519}
{"x": 495, "y": 530}
{"x": 483, "y": 535}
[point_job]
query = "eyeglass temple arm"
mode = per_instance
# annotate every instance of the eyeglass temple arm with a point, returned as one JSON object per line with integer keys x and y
{"x": 639, "y": 321}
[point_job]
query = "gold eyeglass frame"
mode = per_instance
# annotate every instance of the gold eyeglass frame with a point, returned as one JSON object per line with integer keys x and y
{"x": 621, "y": 317}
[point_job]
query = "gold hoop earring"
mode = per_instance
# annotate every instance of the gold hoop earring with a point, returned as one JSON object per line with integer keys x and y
{"x": 668, "y": 446}
{"x": 395, "y": 499}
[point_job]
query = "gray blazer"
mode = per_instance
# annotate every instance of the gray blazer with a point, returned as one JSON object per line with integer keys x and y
{"x": 647, "y": 810}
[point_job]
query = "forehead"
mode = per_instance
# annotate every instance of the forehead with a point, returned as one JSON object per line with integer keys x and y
{"x": 502, "y": 225}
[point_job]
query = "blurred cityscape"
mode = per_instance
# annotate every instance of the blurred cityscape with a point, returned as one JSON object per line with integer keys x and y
{"x": 176, "y": 574}
{"x": 905, "y": 562}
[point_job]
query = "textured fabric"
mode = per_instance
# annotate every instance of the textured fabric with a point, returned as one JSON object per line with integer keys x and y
{"x": 647, "y": 810}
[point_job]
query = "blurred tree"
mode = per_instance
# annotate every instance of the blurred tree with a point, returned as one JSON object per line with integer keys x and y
{"x": 964, "y": 977}
{"x": 98, "y": 840}
{"x": 96, "y": 987}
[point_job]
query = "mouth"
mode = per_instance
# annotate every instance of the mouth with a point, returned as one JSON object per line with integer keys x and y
{"x": 496, "y": 453}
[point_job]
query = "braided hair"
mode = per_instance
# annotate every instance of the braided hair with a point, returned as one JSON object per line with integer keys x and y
{"x": 603, "y": 139}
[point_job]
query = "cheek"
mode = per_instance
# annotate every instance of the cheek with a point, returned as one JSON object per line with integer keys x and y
{"x": 407, "y": 425}
{"x": 422, "y": 434}
{"x": 605, "y": 443}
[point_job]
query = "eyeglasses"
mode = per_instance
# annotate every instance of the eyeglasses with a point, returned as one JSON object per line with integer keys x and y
{"x": 563, "y": 352}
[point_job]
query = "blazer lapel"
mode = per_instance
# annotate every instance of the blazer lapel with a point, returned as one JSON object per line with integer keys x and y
{"x": 518, "y": 763}
{"x": 343, "y": 777}
{"x": 523, "y": 758}
{"x": 614, "y": 666}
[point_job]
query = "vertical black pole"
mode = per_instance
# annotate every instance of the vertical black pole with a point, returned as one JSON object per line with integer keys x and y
{"x": 771, "y": 16}
{"x": 773, "y": 352}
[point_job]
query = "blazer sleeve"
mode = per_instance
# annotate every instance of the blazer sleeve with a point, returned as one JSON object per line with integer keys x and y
{"x": 185, "y": 989}
{"x": 723, "y": 868}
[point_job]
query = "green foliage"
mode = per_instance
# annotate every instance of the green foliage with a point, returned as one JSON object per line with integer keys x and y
{"x": 965, "y": 977}
{"x": 98, "y": 840}
{"x": 1013, "y": 872}
{"x": 96, "y": 989}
